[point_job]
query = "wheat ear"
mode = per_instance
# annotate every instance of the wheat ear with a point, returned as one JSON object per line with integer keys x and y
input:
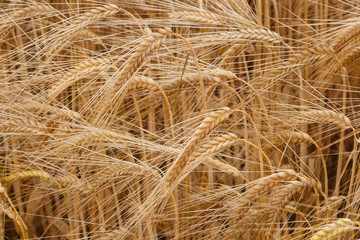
{"x": 194, "y": 16}
{"x": 190, "y": 80}
{"x": 8, "y": 212}
{"x": 97, "y": 13}
{"x": 206, "y": 126}
{"x": 351, "y": 55}
{"x": 138, "y": 82}
{"x": 224, "y": 167}
{"x": 93, "y": 136}
{"x": 214, "y": 145}
{"x": 328, "y": 116}
{"x": 85, "y": 34}
{"x": 30, "y": 11}
{"x": 86, "y": 67}
{"x": 265, "y": 183}
{"x": 294, "y": 137}
{"x": 123, "y": 169}
{"x": 232, "y": 53}
{"x": 245, "y": 34}
{"x": 348, "y": 34}
{"x": 333, "y": 203}
{"x": 335, "y": 228}
{"x": 25, "y": 174}
{"x": 284, "y": 196}
{"x": 146, "y": 47}
{"x": 23, "y": 126}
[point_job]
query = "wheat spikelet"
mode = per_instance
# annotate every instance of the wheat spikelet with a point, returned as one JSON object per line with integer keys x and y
{"x": 328, "y": 116}
{"x": 335, "y": 228}
{"x": 23, "y": 126}
{"x": 71, "y": 181}
{"x": 97, "y": 13}
{"x": 88, "y": 66}
{"x": 211, "y": 76}
{"x": 26, "y": 174}
{"x": 201, "y": 17}
{"x": 222, "y": 74}
{"x": 60, "y": 113}
{"x": 245, "y": 34}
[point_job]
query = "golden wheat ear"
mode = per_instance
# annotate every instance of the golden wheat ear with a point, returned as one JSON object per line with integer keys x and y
{"x": 201, "y": 17}
{"x": 336, "y": 228}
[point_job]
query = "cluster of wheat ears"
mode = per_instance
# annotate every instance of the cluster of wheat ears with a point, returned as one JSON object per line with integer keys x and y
{"x": 179, "y": 119}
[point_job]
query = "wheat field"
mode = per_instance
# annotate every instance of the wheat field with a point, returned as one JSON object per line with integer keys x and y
{"x": 179, "y": 119}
